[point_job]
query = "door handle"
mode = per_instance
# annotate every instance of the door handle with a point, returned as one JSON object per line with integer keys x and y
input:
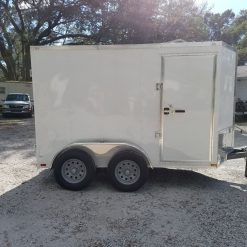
{"x": 179, "y": 111}
{"x": 168, "y": 110}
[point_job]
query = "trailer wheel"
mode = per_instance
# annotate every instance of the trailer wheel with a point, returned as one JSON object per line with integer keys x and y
{"x": 74, "y": 169}
{"x": 128, "y": 170}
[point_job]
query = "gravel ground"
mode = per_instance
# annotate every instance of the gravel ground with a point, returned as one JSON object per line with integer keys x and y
{"x": 174, "y": 208}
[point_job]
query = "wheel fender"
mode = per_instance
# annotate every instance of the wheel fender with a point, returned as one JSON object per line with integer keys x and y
{"x": 75, "y": 147}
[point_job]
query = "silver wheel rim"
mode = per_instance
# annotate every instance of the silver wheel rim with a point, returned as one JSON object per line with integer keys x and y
{"x": 127, "y": 172}
{"x": 74, "y": 171}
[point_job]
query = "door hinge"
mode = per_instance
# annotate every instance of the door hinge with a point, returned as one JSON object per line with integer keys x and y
{"x": 157, "y": 134}
{"x": 159, "y": 86}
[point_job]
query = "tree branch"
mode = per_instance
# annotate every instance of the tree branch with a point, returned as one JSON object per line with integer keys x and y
{"x": 19, "y": 14}
{"x": 48, "y": 30}
{"x": 5, "y": 6}
{"x": 39, "y": 24}
{"x": 6, "y": 35}
{"x": 4, "y": 70}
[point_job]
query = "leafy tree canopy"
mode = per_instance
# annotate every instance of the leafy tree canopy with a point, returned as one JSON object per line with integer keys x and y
{"x": 236, "y": 35}
{"x": 44, "y": 22}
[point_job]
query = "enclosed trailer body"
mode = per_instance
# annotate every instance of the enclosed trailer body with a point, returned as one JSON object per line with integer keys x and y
{"x": 172, "y": 102}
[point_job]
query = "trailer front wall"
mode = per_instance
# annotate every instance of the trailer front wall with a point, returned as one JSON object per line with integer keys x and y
{"x": 226, "y": 92}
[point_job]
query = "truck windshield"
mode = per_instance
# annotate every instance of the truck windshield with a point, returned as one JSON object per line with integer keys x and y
{"x": 17, "y": 97}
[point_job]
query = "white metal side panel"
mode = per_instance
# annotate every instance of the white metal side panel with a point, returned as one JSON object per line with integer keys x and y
{"x": 95, "y": 95}
{"x": 188, "y": 85}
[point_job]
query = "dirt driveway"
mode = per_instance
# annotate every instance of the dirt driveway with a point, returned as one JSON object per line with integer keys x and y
{"x": 175, "y": 208}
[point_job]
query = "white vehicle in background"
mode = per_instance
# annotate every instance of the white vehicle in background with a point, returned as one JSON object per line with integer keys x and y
{"x": 129, "y": 108}
{"x": 17, "y": 104}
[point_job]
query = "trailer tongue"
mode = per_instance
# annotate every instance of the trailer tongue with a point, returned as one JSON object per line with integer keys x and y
{"x": 237, "y": 153}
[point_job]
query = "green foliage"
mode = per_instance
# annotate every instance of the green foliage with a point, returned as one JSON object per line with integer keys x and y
{"x": 34, "y": 22}
{"x": 218, "y": 23}
{"x": 236, "y": 35}
{"x": 180, "y": 19}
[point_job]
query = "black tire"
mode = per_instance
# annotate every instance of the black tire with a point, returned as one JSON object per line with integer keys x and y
{"x": 122, "y": 157}
{"x": 88, "y": 166}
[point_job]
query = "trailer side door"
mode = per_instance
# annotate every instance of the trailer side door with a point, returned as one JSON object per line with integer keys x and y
{"x": 187, "y": 107}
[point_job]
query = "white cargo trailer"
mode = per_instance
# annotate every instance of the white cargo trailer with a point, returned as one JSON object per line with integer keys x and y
{"x": 131, "y": 107}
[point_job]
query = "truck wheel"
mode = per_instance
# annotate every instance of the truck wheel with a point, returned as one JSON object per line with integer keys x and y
{"x": 74, "y": 169}
{"x": 128, "y": 170}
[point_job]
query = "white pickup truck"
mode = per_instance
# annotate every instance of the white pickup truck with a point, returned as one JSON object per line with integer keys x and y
{"x": 18, "y": 104}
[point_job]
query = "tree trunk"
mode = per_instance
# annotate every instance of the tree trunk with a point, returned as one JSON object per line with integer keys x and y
{"x": 26, "y": 61}
{"x": 9, "y": 70}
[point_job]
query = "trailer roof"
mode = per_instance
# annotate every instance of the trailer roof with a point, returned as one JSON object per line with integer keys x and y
{"x": 136, "y": 46}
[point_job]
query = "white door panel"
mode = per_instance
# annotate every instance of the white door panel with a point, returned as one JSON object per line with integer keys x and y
{"x": 187, "y": 104}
